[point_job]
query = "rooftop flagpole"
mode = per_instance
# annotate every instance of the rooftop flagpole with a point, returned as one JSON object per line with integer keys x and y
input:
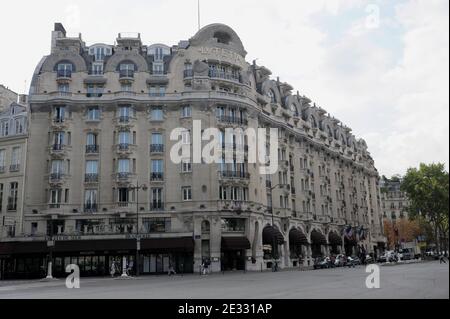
{"x": 198, "y": 13}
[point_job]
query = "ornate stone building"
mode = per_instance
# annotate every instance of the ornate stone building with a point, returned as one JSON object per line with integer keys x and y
{"x": 394, "y": 200}
{"x": 100, "y": 174}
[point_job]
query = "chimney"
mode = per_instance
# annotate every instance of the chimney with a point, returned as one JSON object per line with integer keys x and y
{"x": 58, "y": 32}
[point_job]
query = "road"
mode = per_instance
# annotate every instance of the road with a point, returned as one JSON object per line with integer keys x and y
{"x": 427, "y": 280}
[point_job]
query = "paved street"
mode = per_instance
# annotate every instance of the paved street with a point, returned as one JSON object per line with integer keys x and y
{"x": 417, "y": 281}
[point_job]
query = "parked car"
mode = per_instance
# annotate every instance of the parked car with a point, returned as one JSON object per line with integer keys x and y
{"x": 406, "y": 254}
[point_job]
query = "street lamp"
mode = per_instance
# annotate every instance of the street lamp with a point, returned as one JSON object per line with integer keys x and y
{"x": 138, "y": 241}
{"x": 275, "y": 246}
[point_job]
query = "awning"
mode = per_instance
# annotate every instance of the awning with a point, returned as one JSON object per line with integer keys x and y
{"x": 271, "y": 234}
{"x": 318, "y": 238}
{"x": 235, "y": 243}
{"x": 16, "y": 248}
{"x": 94, "y": 245}
{"x": 177, "y": 244}
{"x": 296, "y": 237}
{"x": 335, "y": 239}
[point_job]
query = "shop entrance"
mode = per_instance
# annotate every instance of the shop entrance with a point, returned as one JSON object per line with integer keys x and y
{"x": 233, "y": 260}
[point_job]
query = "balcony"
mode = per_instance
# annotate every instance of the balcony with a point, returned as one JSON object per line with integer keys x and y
{"x": 59, "y": 122}
{"x": 123, "y": 177}
{"x": 156, "y": 148}
{"x": 56, "y": 177}
{"x": 125, "y": 148}
{"x": 214, "y": 74}
{"x": 188, "y": 74}
{"x": 14, "y": 168}
{"x": 235, "y": 175}
{"x": 92, "y": 149}
{"x": 157, "y": 177}
{"x": 232, "y": 120}
{"x": 156, "y": 206}
{"x": 90, "y": 208}
{"x": 91, "y": 178}
{"x": 58, "y": 150}
{"x": 63, "y": 76}
{"x": 126, "y": 75}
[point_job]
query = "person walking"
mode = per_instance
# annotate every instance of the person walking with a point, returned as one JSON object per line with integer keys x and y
{"x": 112, "y": 270}
{"x": 171, "y": 270}
{"x": 442, "y": 259}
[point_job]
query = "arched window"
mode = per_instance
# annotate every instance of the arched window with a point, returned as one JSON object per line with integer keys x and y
{"x": 330, "y": 132}
{"x": 313, "y": 122}
{"x": 271, "y": 95}
{"x": 222, "y": 37}
{"x": 127, "y": 69}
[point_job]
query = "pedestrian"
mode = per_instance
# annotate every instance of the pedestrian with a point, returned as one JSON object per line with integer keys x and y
{"x": 442, "y": 259}
{"x": 130, "y": 267}
{"x": 113, "y": 269}
{"x": 172, "y": 270}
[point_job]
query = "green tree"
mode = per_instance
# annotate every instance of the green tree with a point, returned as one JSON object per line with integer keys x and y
{"x": 427, "y": 189}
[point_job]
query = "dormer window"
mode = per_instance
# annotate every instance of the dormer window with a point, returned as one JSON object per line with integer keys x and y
{"x": 222, "y": 37}
{"x": 271, "y": 96}
{"x": 97, "y": 68}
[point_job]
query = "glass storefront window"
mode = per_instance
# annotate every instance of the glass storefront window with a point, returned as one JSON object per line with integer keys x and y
{"x": 233, "y": 224}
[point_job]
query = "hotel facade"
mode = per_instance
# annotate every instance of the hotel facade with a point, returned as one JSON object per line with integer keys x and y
{"x": 101, "y": 184}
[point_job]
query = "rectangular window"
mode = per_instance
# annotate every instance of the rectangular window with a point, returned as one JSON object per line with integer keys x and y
{"x": 186, "y": 111}
{"x": 91, "y": 167}
{"x": 187, "y": 193}
{"x": 157, "y": 225}
{"x": 157, "y": 114}
{"x": 157, "y": 139}
{"x": 94, "y": 113}
{"x": 15, "y": 156}
{"x": 123, "y": 195}
{"x": 233, "y": 224}
{"x": 157, "y": 202}
{"x": 60, "y": 113}
{"x": 5, "y": 128}
{"x": 90, "y": 199}
{"x": 124, "y": 166}
{"x": 124, "y": 137}
{"x": 55, "y": 197}
{"x": 63, "y": 88}
{"x": 57, "y": 167}
{"x": 186, "y": 137}
{"x": 186, "y": 166}
{"x": 97, "y": 68}
{"x": 2, "y": 159}
{"x": 157, "y": 166}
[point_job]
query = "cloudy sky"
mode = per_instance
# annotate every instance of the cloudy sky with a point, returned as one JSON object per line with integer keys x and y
{"x": 380, "y": 66}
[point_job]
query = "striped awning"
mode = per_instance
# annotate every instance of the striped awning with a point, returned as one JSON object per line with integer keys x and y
{"x": 235, "y": 243}
{"x": 271, "y": 234}
{"x": 335, "y": 239}
{"x": 318, "y": 238}
{"x": 296, "y": 237}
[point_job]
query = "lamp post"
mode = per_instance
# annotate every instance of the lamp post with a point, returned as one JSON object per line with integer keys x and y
{"x": 275, "y": 246}
{"x": 138, "y": 240}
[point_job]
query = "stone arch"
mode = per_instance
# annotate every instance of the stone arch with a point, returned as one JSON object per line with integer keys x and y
{"x": 291, "y": 103}
{"x": 335, "y": 241}
{"x": 67, "y": 56}
{"x": 268, "y": 86}
{"x": 120, "y": 56}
